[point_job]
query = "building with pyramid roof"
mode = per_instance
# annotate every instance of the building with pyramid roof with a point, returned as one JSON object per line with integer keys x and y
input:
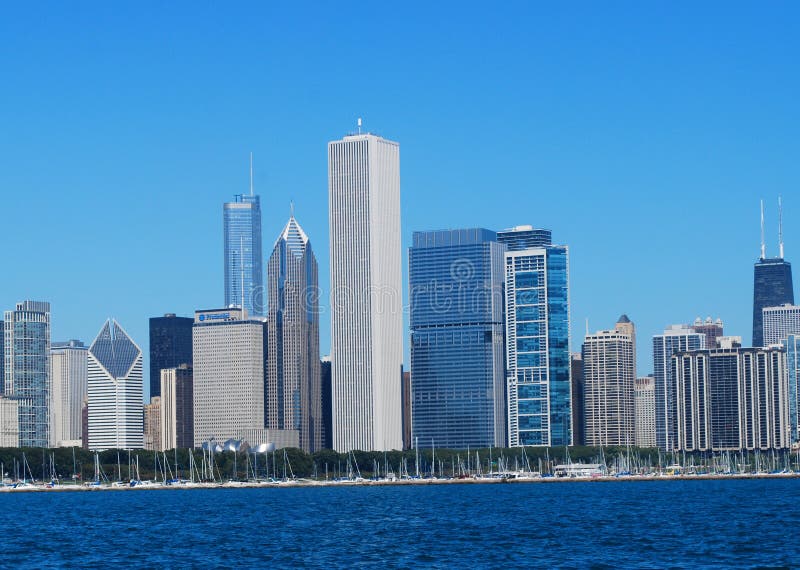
{"x": 115, "y": 390}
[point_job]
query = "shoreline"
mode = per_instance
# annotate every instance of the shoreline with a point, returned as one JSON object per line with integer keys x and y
{"x": 309, "y": 483}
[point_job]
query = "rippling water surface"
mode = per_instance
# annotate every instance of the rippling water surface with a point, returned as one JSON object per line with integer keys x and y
{"x": 669, "y": 524}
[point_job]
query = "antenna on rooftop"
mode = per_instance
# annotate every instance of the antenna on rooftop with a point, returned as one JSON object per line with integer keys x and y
{"x": 780, "y": 228}
{"x": 251, "y": 173}
{"x": 359, "y": 125}
{"x": 763, "y": 247}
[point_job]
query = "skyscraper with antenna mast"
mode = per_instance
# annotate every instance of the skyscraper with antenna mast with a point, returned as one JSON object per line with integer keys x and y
{"x": 244, "y": 270}
{"x": 772, "y": 280}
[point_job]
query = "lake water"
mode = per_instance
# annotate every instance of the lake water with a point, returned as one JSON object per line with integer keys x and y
{"x": 678, "y": 524}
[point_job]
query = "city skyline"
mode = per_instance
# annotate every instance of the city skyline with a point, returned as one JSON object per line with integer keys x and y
{"x": 587, "y": 149}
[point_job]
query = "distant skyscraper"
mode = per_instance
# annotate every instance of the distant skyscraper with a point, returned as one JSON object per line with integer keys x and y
{"x": 115, "y": 390}
{"x": 327, "y": 402}
{"x": 9, "y": 423}
{"x": 177, "y": 408}
{"x": 170, "y": 346}
{"x": 27, "y": 369}
{"x": 230, "y": 353}
{"x": 644, "y": 397}
{"x": 244, "y": 270}
{"x": 294, "y": 398}
{"x": 406, "y": 389}
{"x": 152, "y": 425}
{"x": 69, "y": 391}
{"x": 780, "y": 322}
{"x": 676, "y": 338}
{"x": 2, "y": 357}
{"x": 609, "y": 375}
{"x": 772, "y": 283}
{"x": 712, "y": 329}
{"x": 366, "y": 292}
{"x": 457, "y": 352}
{"x": 537, "y": 339}
{"x": 731, "y": 398}
{"x": 578, "y": 413}
{"x": 792, "y": 347}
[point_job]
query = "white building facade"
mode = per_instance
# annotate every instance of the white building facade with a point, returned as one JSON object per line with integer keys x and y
{"x": 366, "y": 292}
{"x": 780, "y": 322}
{"x": 9, "y": 423}
{"x": 69, "y": 391}
{"x": 644, "y": 397}
{"x": 229, "y": 353}
{"x": 114, "y": 388}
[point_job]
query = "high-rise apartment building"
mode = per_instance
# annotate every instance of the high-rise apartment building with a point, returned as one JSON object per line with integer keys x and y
{"x": 9, "y": 423}
{"x": 792, "y": 346}
{"x": 366, "y": 292}
{"x": 177, "y": 408}
{"x": 780, "y": 322}
{"x": 230, "y": 353}
{"x": 609, "y": 374}
{"x": 115, "y": 390}
{"x": 170, "y": 346}
{"x": 27, "y": 369}
{"x": 644, "y": 397}
{"x": 457, "y": 350}
{"x": 244, "y": 270}
{"x": 294, "y": 397}
{"x": 711, "y": 328}
{"x": 69, "y": 391}
{"x": 537, "y": 339}
{"x": 731, "y": 398}
{"x": 153, "y": 433}
{"x": 676, "y": 338}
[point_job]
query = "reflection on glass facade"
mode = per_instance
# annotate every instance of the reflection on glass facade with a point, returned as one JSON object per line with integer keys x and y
{"x": 244, "y": 271}
{"x": 27, "y": 369}
{"x": 170, "y": 346}
{"x": 792, "y": 346}
{"x": 457, "y": 357}
{"x": 676, "y": 338}
{"x": 537, "y": 341}
{"x": 772, "y": 287}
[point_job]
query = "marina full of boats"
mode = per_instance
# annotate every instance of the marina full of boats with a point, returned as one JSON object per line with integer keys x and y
{"x": 275, "y": 470}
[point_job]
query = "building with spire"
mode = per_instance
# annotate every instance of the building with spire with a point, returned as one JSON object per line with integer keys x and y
{"x": 244, "y": 280}
{"x": 772, "y": 280}
{"x": 294, "y": 398}
{"x": 114, "y": 388}
{"x": 366, "y": 292}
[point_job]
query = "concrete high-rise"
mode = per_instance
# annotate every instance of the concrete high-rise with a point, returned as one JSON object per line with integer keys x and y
{"x": 713, "y": 329}
{"x": 780, "y": 322}
{"x": 772, "y": 282}
{"x": 170, "y": 346}
{"x": 731, "y": 398}
{"x": 244, "y": 270}
{"x": 609, "y": 374}
{"x": 537, "y": 339}
{"x": 27, "y": 369}
{"x": 644, "y": 397}
{"x": 457, "y": 350}
{"x": 366, "y": 292}
{"x": 676, "y": 338}
{"x": 177, "y": 408}
{"x": 69, "y": 391}
{"x": 9, "y": 423}
{"x": 229, "y": 353}
{"x": 153, "y": 435}
{"x": 294, "y": 397}
{"x": 115, "y": 390}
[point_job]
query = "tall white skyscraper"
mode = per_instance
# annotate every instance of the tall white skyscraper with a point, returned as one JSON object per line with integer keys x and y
{"x": 115, "y": 390}
{"x": 366, "y": 292}
{"x": 69, "y": 373}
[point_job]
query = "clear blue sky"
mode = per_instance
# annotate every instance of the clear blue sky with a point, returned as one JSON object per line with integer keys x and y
{"x": 642, "y": 133}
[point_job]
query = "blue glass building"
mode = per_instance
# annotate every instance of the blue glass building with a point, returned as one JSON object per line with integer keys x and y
{"x": 457, "y": 356}
{"x": 244, "y": 270}
{"x": 792, "y": 345}
{"x": 27, "y": 369}
{"x": 170, "y": 346}
{"x": 537, "y": 338}
{"x": 772, "y": 287}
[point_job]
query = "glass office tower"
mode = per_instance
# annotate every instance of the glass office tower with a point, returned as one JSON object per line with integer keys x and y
{"x": 772, "y": 287}
{"x": 170, "y": 346}
{"x": 244, "y": 270}
{"x": 27, "y": 369}
{"x": 537, "y": 339}
{"x": 457, "y": 353}
{"x": 792, "y": 346}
